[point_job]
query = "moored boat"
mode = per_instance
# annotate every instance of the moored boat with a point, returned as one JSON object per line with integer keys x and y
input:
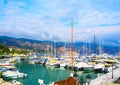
{"x": 14, "y": 74}
{"x": 5, "y": 63}
{"x": 99, "y": 67}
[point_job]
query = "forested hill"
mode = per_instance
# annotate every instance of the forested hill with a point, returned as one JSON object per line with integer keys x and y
{"x": 24, "y": 43}
{"x": 43, "y": 46}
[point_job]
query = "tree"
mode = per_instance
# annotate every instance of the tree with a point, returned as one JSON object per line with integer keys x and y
{"x": 4, "y": 49}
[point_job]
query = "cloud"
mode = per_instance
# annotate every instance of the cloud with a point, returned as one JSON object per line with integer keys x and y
{"x": 99, "y": 19}
{"x": 51, "y": 20}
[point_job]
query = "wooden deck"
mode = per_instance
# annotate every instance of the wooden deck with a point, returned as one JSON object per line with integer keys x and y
{"x": 107, "y": 78}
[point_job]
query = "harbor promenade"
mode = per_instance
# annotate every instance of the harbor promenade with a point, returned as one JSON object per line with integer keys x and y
{"x": 107, "y": 79}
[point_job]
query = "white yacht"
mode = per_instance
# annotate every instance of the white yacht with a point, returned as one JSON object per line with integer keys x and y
{"x": 13, "y": 74}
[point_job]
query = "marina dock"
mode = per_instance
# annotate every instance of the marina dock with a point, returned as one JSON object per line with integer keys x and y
{"x": 107, "y": 79}
{"x": 13, "y": 82}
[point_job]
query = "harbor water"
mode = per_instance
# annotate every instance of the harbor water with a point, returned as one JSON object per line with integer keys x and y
{"x": 48, "y": 74}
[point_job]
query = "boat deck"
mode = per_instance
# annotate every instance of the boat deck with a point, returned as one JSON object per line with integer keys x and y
{"x": 107, "y": 78}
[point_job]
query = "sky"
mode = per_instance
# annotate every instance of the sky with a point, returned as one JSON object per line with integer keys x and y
{"x": 51, "y": 19}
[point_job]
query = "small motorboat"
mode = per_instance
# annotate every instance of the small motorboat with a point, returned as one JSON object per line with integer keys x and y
{"x": 5, "y": 63}
{"x": 14, "y": 74}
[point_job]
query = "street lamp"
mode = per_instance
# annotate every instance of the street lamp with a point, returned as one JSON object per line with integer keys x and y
{"x": 112, "y": 71}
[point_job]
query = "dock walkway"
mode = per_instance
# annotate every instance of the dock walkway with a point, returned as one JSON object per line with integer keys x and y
{"x": 2, "y": 82}
{"x": 107, "y": 78}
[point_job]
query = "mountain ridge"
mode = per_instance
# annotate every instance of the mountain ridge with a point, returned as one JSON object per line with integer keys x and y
{"x": 42, "y": 46}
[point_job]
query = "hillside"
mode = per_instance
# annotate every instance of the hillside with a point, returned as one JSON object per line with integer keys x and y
{"x": 24, "y": 43}
{"x": 44, "y": 46}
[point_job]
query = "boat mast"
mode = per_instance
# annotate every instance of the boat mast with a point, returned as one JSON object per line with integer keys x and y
{"x": 54, "y": 49}
{"x": 94, "y": 45}
{"x": 100, "y": 48}
{"x": 118, "y": 48}
{"x": 72, "y": 40}
{"x": 89, "y": 48}
{"x": 51, "y": 50}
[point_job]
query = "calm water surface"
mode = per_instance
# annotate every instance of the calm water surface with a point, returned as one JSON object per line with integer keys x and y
{"x": 35, "y": 72}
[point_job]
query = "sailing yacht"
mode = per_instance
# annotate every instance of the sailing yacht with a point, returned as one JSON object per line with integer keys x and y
{"x": 73, "y": 78}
